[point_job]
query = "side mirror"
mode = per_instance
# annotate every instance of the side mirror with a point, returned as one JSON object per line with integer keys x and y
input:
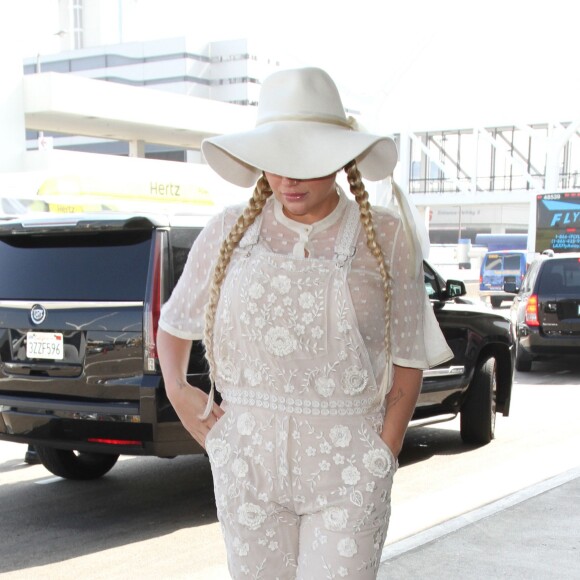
{"x": 510, "y": 288}
{"x": 455, "y": 288}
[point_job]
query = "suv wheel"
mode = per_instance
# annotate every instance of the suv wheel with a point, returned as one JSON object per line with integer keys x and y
{"x": 523, "y": 362}
{"x": 496, "y": 301}
{"x": 75, "y": 465}
{"x": 477, "y": 421}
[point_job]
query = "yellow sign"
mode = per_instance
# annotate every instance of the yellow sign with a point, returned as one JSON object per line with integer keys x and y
{"x": 71, "y": 193}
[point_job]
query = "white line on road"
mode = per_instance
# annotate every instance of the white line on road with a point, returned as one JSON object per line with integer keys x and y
{"x": 471, "y": 517}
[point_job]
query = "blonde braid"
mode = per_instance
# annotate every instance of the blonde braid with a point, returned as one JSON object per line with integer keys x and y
{"x": 261, "y": 193}
{"x": 357, "y": 188}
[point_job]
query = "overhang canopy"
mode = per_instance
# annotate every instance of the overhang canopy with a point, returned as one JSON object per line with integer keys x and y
{"x": 74, "y": 105}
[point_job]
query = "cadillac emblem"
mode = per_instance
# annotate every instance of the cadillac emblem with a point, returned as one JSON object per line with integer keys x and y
{"x": 37, "y": 314}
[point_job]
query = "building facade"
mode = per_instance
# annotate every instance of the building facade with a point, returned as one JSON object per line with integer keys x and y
{"x": 463, "y": 179}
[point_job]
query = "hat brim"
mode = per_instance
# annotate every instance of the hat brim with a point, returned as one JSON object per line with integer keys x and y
{"x": 300, "y": 150}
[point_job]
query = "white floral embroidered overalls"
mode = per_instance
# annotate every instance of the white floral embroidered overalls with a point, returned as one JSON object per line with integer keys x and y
{"x": 302, "y": 478}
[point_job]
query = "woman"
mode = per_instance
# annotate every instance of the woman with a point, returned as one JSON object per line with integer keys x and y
{"x": 314, "y": 317}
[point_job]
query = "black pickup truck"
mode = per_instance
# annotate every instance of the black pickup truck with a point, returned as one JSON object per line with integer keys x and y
{"x": 80, "y": 298}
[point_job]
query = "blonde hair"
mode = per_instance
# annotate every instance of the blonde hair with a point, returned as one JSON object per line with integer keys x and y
{"x": 260, "y": 195}
{"x": 361, "y": 196}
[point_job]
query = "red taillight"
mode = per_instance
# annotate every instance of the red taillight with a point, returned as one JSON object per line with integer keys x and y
{"x": 152, "y": 310}
{"x": 113, "y": 441}
{"x": 532, "y": 316}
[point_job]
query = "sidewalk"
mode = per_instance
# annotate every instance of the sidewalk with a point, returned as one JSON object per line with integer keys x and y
{"x": 533, "y": 534}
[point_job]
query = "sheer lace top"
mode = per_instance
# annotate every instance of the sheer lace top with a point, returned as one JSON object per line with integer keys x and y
{"x": 183, "y": 314}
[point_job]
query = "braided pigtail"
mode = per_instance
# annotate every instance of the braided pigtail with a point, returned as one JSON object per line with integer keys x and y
{"x": 261, "y": 193}
{"x": 357, "y": 188}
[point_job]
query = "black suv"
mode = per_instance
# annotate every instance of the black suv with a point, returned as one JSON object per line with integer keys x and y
{"x": 80, "y": 298}
{"x": 546, "y": 311}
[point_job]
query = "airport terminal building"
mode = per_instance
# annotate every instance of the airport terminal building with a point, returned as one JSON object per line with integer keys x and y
{"x": 140, "y": 110}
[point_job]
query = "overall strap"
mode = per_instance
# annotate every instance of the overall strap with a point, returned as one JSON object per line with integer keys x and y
{"x": 347, "y": 236}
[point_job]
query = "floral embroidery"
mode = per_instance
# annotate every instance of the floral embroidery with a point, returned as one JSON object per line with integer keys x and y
{"x": 317, "y": 332}
{"x": 229, "y": 372}
{"x": 281, "y": 284}
{"x": 340, "y": 436}
{"x": 378, "y": 462}
{"x": 354, "y": 380}
{"x": 350, "y": 475}
{"x": 219, "y": 450}
{"x": 293, "y": 362}
{"x": 251, "y": 515}
{"x": 324, "y": 386}
{"x": 240, "y": 548}
{"x": 246, "y": 424}
{"x": 279, "y": 341}
{"x": 347, "y": 547}
{"x": 253, "y": 377}
{"x": 239, "y": 467}
{"x": 306, "y": 300}
{"x": 256, "y": 291}
{"x": 335, "y": 518}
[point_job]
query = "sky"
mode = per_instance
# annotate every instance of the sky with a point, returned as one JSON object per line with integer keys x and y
{"x": 408, "y": 62}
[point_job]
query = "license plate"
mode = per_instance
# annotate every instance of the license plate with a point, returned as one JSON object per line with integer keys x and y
{"x": 45, "y": 345}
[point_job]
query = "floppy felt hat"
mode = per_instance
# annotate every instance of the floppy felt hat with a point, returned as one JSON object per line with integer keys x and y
{"x": 301, "y": 132}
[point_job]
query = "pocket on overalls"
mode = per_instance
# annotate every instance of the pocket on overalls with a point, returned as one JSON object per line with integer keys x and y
{"x": 380, "y": 442}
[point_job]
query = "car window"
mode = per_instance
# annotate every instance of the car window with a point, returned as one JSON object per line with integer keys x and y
{"x": 104, "y": 266}
{"x": 181, "y": 240}
{"x": 493, "y": 262}
{"x": 512, "y": 262}
{"x": 431, "y": 285}
{"x": 562, "y": 275}
{"x": 530, "y": 278}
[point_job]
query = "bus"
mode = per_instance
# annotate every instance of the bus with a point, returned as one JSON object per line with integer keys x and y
{"x": 558, "y": 222}
{"x": 495, "y": 242}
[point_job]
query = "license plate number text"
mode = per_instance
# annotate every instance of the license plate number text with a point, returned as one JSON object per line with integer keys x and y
{"x": 45, "y": 345}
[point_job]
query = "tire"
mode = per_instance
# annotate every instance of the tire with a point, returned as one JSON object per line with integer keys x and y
{"x": 496, "y": 301}
{"x": 523, "y": 362}
{"x": 75, "y": 465}
{"x": 478, "y": 412}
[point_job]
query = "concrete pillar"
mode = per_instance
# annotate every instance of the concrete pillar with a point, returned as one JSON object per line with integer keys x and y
{"x": 13, "y": 133}
{"x": 136, "y": 148}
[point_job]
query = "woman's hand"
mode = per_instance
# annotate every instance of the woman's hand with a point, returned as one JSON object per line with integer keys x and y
{"x": 401, "y": 402}
{"x": 189, "y": 402}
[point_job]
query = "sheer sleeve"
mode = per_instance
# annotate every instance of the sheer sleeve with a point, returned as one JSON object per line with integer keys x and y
{"x": 417, "y": 340}
{"x": 183, "y": 314}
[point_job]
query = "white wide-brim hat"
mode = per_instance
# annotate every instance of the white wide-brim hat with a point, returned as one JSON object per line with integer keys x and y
{"x": 301, "y": 132}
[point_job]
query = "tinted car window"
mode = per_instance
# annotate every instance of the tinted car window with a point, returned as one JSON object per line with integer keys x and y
{"x": 493, "y": 262}
{"x": 431, "y": 286}
{"x": 181, "y": 240}
{"x": 101, "y": 267}
{"x": 560, "y": 276}
{"x": 511, "y": 262}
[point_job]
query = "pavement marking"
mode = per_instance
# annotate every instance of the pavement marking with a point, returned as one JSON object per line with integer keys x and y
{"x": 454, "y": 524}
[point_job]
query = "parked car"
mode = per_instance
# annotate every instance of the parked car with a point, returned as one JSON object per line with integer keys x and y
{"x": 80, "y": 298}
{"x": 498, "y": 268}
{"x": 546, "y": 310}
{"x": 477, "y": 382}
